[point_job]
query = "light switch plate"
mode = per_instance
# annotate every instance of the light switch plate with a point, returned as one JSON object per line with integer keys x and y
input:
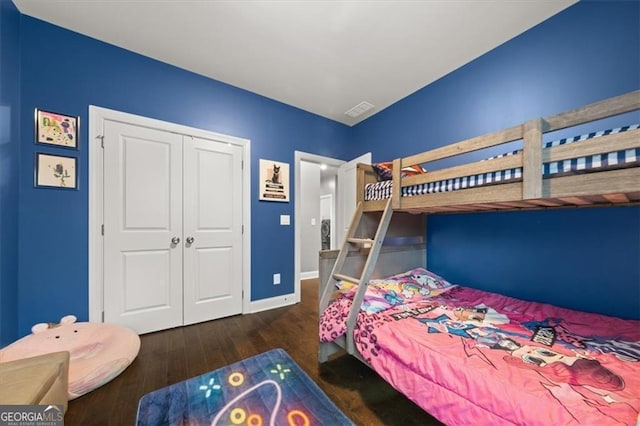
{"x": 285, "y": 219}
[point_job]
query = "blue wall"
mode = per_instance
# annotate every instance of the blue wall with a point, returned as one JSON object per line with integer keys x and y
{"x": 9, "y": 140}
{"x": 53, "y": 260}
{"x": 584, "y": 54}
{"x": 580, "y": 258}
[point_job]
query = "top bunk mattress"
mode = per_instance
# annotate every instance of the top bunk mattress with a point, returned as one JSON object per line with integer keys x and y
{"x": 591, "y": 163}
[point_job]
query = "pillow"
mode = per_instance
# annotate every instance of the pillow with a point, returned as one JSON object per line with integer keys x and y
{"x": 423, "y": 278}
{"x": 384, "y": 170}
{"x": 411, "y": 286}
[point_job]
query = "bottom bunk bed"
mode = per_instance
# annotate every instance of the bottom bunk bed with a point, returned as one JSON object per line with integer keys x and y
{"x": 470, "y": 356}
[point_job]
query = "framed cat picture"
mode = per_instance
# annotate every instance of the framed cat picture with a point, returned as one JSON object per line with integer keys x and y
{"x": 274, "y": 181}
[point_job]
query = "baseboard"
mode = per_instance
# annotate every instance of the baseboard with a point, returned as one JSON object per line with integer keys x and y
{"x": 272, "y": 303}
{"x": 308, "y": 275}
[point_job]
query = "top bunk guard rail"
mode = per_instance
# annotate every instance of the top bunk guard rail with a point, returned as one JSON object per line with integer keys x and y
{"x": 533, "y": 190}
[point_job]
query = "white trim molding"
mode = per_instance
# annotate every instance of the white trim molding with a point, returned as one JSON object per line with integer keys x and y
{"x": 271, "y": 303}
{"x": 312, "y": 158}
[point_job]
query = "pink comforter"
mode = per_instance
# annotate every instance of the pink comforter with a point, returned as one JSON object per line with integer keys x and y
{"x": 469, "y": 356}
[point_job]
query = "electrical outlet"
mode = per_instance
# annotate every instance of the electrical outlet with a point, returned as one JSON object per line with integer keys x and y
{"x": 276, "y": 279}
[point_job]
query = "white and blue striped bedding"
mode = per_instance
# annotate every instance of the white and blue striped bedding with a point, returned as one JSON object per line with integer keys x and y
{"x": 599, "y": 162}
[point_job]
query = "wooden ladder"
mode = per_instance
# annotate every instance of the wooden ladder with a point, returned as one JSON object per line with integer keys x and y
{"x": 352, "y": 242}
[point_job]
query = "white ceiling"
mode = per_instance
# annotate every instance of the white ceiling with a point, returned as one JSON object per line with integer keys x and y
{"x": 321, "y": 56}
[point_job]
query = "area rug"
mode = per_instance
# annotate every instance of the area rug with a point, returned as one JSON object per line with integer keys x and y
{"x": 267, "y": 389}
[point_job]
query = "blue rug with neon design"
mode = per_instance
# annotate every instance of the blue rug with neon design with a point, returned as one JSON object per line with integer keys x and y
{"x": 267, "y": 389}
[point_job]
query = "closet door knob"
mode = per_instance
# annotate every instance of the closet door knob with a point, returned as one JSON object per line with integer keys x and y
{"x": 190, "y": 240}
{"x": 175, "y": 240}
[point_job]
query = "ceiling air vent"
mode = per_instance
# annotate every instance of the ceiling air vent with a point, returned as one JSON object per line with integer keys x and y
{"x": 359, "y": 109}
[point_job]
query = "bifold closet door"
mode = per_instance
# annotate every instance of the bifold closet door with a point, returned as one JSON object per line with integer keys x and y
{"x": 212, "y": 229}
{"x": 142, "y": 286}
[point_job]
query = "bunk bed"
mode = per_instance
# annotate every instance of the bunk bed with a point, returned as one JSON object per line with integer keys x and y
{"x": 470, "y": 356}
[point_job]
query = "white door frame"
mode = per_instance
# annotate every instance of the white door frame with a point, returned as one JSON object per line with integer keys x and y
{"x": 96, "y": 117}
{"x": 311, "y": 158}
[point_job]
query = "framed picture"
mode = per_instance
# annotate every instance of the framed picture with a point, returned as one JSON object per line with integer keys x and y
{"x": 56, "y": 171}
{"x": 56, "y": 129}
{"x": 274, "y": 181}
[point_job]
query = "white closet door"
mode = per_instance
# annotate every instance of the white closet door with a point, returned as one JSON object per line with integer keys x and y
{"x": 142, "y": 215}
{"x": 212, "y": 230}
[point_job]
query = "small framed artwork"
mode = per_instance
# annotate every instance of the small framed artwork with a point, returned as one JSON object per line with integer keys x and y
{"x": 274, "y": 181}
{"x": 56, "y": 171}
{"x": 56, "y": 129}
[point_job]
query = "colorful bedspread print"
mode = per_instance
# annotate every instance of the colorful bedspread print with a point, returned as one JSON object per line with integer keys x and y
{"x": 267, "y": 389}
{"x": 469, "y": 356}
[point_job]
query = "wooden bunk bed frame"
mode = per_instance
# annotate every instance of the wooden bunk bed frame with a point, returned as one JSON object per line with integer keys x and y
{"x": 400, "y": 245}
{"x": 612, "y": 187}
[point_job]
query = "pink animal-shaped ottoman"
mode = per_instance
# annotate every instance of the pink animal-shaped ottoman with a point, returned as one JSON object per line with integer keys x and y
{"x": 98, "y": 352}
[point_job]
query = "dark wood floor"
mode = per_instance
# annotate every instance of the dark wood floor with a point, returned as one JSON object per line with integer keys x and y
{"x": 171, "y": 356}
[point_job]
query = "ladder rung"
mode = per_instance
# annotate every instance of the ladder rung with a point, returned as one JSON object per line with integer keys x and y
{"x": 341, "y": 277}
{"x": 360, "y": 240}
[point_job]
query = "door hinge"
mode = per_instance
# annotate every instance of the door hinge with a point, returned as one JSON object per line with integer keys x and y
{"x": 241, "y": 164}
{"x": 102, "y": 316}
{"x": 242, "y": 229}
{"x": 102, "y": 229}
{"x": 101, "y": 137}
